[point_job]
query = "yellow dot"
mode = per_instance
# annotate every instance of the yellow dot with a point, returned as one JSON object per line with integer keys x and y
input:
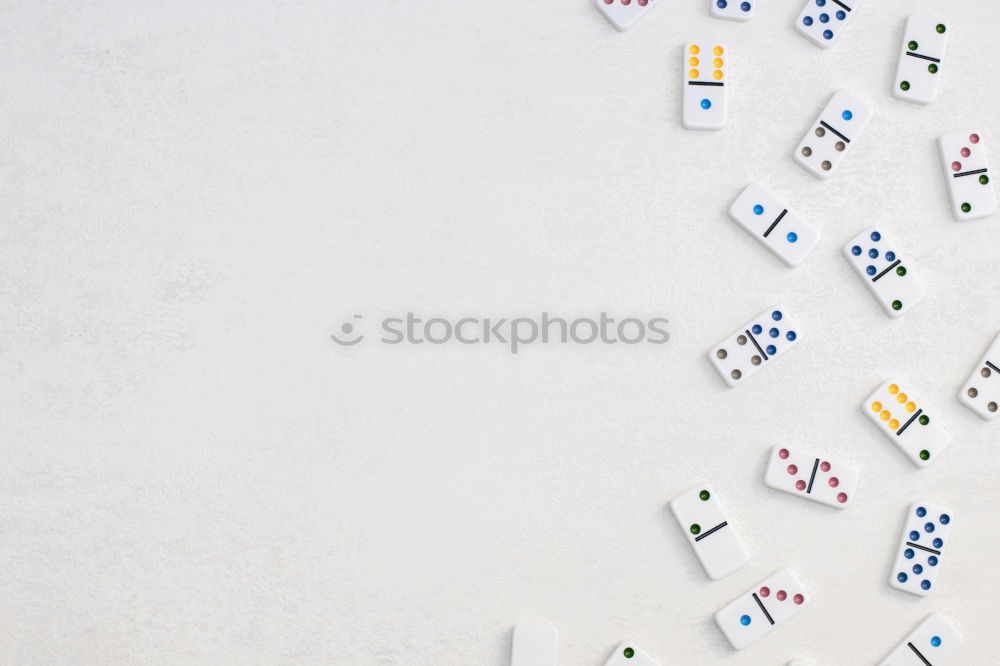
{"x": 694, "y": 74}
{"x": 911, "y": 406}
{"x": 717, "y": 63}
{"x": 894, "y": 424}
{"x": 717, "y": 75}
{"x": 893, "y": 389}
{"x": 694, "y": 50}
{"x": 694, "y": 62}
{"x": 885, "y": 415}
{"x": 876, "y": 406}
{"x": 901, "y": 398}
{"x": 717, "y": 50}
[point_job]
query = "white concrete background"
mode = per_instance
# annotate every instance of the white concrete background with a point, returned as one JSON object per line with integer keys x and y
{"x": 194, "y": 195}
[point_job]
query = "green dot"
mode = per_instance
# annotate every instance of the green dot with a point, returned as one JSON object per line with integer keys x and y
{"x": 696, "y": 529}
{"x": 912, "y": 45}
{"x": 924, "y": 420}
{"x": 984, "y": 179}
{"x": 897, "y": 305}
{"x": 940, "y": 28}
{"x": 629, "y": 653}
{"x": 966, "y": 207}
{"x": 904, "y": 85}
{"x": 932, "y": 68}
{"x": 704, "y": 495}
{"x": 925, "y": 454}
{"x": 901, "y": 271}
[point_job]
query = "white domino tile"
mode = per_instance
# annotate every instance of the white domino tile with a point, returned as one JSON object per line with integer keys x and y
{"x": 981, "y": 392}
{"x": 907, "y": 422}
{"x": 733, "y": 10}
{"x": 629, "y": 654}
{"x": 822, "y": 21}
{"x": 773, "y": 601}
{"x": 705, "y": 524}
{"x": 932, "y": 643}
{"x": 754, "y": 345}
{"x": 925, "y": 538}
{"x": 919, "y": 69}
{"x": 880, "y": 264}
{"x": 834, "y": 133}
{"x": 624, "y": 13}
{"x": 775, "y": 226}
{"x": 967, "y": 174}
{"x": 706, "y": 85}
{"x": 810, "y": 476}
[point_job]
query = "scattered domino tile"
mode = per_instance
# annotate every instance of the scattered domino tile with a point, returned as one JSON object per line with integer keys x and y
{"x": 770, "y": 603}
{"x": 933, "y": 643}
{"x": 703, "y": 520}
{"x": 624, "y": 13}
{"x": 755, "y": 344}
{"x": 769, "y": 220}
{"x": 734, "y": 10}
{"x": 807, "y": 475}
{"x": 967, "y": 172}
{"x": 802, "y": 662}
{"x": 904, "y": 421}
{"x": 876, "y": 260}
{"x": 705, "y": 69}
{"x": 919, "y": 560}
{"x": 534, "y": 645}
{"x": 918, "y": 70}
{"x": 981, "y": 393}
{"x": 821, "y": 21}
{"x": 829, "y": 140}
{"x": 629, "y": 654}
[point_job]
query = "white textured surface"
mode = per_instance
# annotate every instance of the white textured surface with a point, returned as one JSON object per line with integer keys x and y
{"x": 193, "y": 195}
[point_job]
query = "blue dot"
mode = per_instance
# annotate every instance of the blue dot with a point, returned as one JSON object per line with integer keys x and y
{"x": 928, "y": 527}
{"x": 914, "y": 536}
{"x": 776, "y": 315}
{"x": 792, "y": 236}
{"x": 791, "y": 336}
{"x": 847, "y": 115}
{"x": 932, "y": 561}
{"x": 828, "y": 34}
{"x": 706, "y": 104}
{"x": 870, "y": 270}
{"x": 757, "y": 328}
{"x": 745, "y": 6}
{"x": 890, "y": 256}
{"x": 841, "y": 15}
{"x": 935, "y": 641}
{"x": 918, "y": 569}
{"x": 925, "y": 585}
{"x": 908, "y": 553}
{"x": 774, "y": 332}
{"x": 824, "y": 18}
{"x": 771, "y": 350}
{"x": 938, "y": 543}
{"x": 902, "y": 577}
{"x": 758, "y": 210}
{"x": 807, "y": 20}
{"x": 745, "y": 620}
{"x": 873, "y": 253}
{"x": 945, "y": 519}
{"x": 722, "y": 4}
{"x": 856, "y": 250}
{"x": 921, "y": 512}
{"x": 820, "y": 3}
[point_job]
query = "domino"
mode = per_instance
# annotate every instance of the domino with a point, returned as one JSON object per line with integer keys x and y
{"x": 903, "y": 419}
{"x": 933, "y": 643}
{"x": 624, "y": 13}
{"x": 924, "y": 538}
{"x": 629, "y": 654}
{"x": 769, "y": 220}
{"x": 822, "y": 21}
{"x": 807, "y": 475}
{"x": 534, "y": 645}
{"x": 704, "y": 522}
{"x": 878, "y": 262}
{"x": 760, "y": 341}
{"x": 981, "y": 392}
{"x": 705, "y": 83}
{"x": 967, "y": 172}
{"x": 772, "y": 602}
{"x": 920, "y": 55}
{"x": 838, "y": 127}
{"x": 733, "y": 10}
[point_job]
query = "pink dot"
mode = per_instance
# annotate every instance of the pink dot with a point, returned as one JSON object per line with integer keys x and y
{"x": 825, "y": 466}
{"x": 800, "y": 485}
{"x": 956, "y": 166}
{"x": 974, "y": 138}
{"x": 781, "y": 595}
{"x": 793, "y": 470}
{"x": 783, "y": 453}
{"x": 643, "y": 3}
{"x": 765, "y": 591}
{"x": 842, "y": 498}
{"x": 834, "y": 482}
{"x": 626, "y": 2}
{"x": 965, "y": 152}
{"x": 798, "y": 599}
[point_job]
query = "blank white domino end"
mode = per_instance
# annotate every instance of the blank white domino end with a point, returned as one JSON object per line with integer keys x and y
{"x": 822, "y": 21}
{"x": 733, "y": 10}
{"x": 925, "y": 538}
{"x": 704, "y": 522}
{"x": 534, "y": 645}
{"x": 918, "y": 71}
{"x": 629, "y": 654}
{"x": 807, "y": 475}
{"x": 706, "y": 85}
{"x": 878, "y": 262}
{"x": 756, "y": 344}
{"x": 835, "y": 131}
{"x": 624, "y": 13}
{"x": 967, "y": 175}
{"x": 769, "y": 220}
{"x": 906, "y": 422}
{"x": 981, "y": 393}
{"x": 934, "y": 642}
{"x": 755, "y": 614}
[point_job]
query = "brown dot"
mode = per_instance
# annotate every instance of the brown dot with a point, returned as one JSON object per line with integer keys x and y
{"x": 741, "y": 340}
{"x": 820, "y": 131}
{"x": 986, "y": 372}
{"x": 722, "y": 353}
{"x": 755, "y": 360}
{"x": 992, "y": 406}
{"x": 972, "y": 392}
{"x": 826, "y": 166}
{"x": 736, "y": 374}
{"x": 839, "y": 146}
{"x": 807, "y": 151}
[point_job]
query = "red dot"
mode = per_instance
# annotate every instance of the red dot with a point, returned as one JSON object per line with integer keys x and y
{"x": 834, "y": 482}
{"x": 783, "y": 453}
{"x": 825, "y": 466}
{"x": 781, "y": 595}
{"x": 643, "y": 3}
{"x": 842, "y": 498}
{"x": 956, "y": 166}
{"x": 798, "y": 599}
{"x": 965, "y": 152}
{"x": 800, "y": 485}
{"x": 626, "y": 2}
{"x": 974, "y": 138}
{"x": 765, "y": 591}
{"x": 609, "y": 2}
{"x": 793, "y": 470}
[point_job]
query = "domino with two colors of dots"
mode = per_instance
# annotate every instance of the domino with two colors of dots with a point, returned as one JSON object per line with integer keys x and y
{"x": 629, "y": 654}
{"x": 704, "y": 98}
{"x": 821, "y": 21}
{"x": 836, "y": 129}
{"x": 733, "y": 10}
{"x": 769, "y": 220}
{"x": 704, "y": 522}
{"x": 933, "y": 643}
{"x": 917, "y": 72}
{"x": 773, "y": 601}
{"x": 624, "y": 13}
{"x": 981, "y": 393}
{"x": 760, "y": 341}
{"x": 904, "y": 421}
{"x": 534, "y": 645}
{"x": 967, "y": 173}
{"x": 812, "y": 477}
{"x": 877, "y": 261}
{"x": 919, "y": 559}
